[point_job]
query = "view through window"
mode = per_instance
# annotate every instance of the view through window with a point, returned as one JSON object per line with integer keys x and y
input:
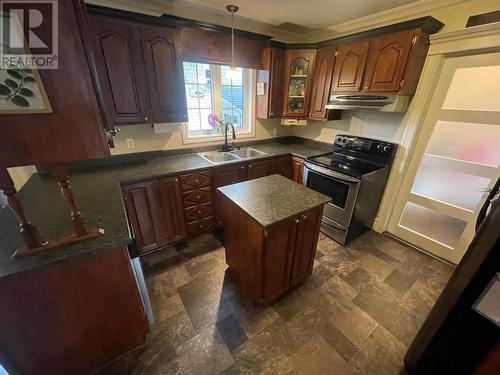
{"x": 211, "y": 89}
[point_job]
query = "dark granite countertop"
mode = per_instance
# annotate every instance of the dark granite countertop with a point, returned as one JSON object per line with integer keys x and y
{"x": 272, "y": 199}
{"x": 98, "y": 193}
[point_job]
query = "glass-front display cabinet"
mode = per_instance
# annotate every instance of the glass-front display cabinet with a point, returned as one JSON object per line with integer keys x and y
{"x": 299, "y": 69}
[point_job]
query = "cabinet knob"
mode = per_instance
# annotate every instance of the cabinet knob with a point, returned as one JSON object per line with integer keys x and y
{"x": 271, "y": 114}
{"x": 366, "y": 87}
{"x": 199, "y": 211}
{"x": 296, "y": 221}
{"x": 242, "y": 167}
{"x": 197, "y": 197}
{"x": 303, "y": 217}
{"x": 176, "y": 180}
{"x": 250, "y": 166}
{"x": 196, "y": 181}
{"x": 145, "y": 118}
{"x": 201, "y": 226}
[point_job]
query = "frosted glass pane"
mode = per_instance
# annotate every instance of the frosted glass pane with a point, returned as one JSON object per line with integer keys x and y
{"x": 460, "y": 189}
{"x": 474, "y": 89}
{"x": 475, "y": 143}
{"x": 432, "y": 224}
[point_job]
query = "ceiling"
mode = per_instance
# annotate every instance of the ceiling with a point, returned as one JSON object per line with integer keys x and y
{"x": 291, "y": 21}
{"x": 302, "y": 15}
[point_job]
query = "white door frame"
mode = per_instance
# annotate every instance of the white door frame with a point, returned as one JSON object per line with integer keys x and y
{"x": 473, "y": 41}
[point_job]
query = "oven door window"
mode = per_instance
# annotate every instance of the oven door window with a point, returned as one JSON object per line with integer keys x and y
{"x": 332, "y": 188}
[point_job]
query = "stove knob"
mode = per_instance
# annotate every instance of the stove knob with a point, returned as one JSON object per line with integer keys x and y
{"x": 379, "y": 147}
{"x": 386, "y": 148}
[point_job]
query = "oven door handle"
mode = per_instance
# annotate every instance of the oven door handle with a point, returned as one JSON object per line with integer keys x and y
{"x": 332, "y": 174}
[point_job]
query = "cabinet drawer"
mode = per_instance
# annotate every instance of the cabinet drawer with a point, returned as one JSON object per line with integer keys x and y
{"x": 195, "y": 181}
{"x": 198, "y": 196}
{"x": 201, "y": 226}
{"x": 198, "y": 212}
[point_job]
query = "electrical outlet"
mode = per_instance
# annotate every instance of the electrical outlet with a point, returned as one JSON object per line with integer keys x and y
{"x": 275, "y": 132}
{"x": 130, "y": 143}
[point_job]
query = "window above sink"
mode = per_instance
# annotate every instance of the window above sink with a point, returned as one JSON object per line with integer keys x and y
{"x": 209, "y": 89}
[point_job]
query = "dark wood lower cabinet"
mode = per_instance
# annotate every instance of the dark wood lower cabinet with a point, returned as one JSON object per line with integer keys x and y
{"x": 72, "y": 317}
{"x": 169, "y": 209}
{"x": 223, "y": 176}
{"x": 283, "y": 166}
{"x": 267, "y": 262}
{"x": 261, "y": 168}
{"x": 305, "y": 245}
{"x": 198, "y": 202}
{"x": 141, "y": 201}
{"x": 155, "y": 212}
{"x": 173, "y": 209}
{"x": 297, "y": 169}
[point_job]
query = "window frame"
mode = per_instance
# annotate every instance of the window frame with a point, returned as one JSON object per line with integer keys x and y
{"x": 248, "y": 131}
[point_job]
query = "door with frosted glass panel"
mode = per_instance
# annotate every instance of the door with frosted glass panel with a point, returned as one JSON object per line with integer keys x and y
{"x": 456, "y": 159}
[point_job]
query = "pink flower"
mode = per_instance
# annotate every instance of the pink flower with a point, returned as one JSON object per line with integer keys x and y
{"x": 213, "y": 119}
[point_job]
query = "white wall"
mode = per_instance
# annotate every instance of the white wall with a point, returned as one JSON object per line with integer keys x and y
{"x": 146, "y": 140}
{"x": 385, "y": 126}
{"x": 19, "y": 175}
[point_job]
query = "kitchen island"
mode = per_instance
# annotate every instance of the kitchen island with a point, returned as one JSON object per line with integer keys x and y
{"x": 271, "y": 229}
{"x": 91, "y": 283}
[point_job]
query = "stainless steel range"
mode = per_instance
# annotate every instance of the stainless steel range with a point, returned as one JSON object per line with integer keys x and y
{"x": 354, "y": 175}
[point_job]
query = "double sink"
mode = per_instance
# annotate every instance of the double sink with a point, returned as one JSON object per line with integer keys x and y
{"x": 218, "y": 157}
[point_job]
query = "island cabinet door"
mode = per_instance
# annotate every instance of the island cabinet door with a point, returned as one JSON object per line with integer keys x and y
{"x": 279, "y": 247}
{"x": 163, "y": 63}
{"x": 226, "y": 176}
{"x": 283, "y": 166}
{"x": 174, "y": 224}
{"x": 260, "y": 169}
{"x": 145, "y": 215}
{"x": 305, "y": 245}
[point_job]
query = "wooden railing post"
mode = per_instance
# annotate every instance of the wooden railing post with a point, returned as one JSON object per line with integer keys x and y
{"x": 60, "y": 173}
{"x": 28, "y": 230}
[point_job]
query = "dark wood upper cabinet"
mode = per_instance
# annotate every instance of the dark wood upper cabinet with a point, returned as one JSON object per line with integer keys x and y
{"x": 387, "y": 60}
{"x": 299, "y": 69}
{"x": 349, "y": 67}
{"x": 139, "y": 70}
{"x": 270, "y": 103}
{"x": 74, "y": 129}
{"x": 163, "y": 63}
{"x": 120, "y": 67}
{"x": 261, "y": 168}
{"x": 173, "y": 210}
{"x": 322, "y": 83}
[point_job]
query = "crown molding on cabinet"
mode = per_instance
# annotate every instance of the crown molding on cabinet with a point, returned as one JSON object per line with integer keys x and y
{"x": 380, "y": 19}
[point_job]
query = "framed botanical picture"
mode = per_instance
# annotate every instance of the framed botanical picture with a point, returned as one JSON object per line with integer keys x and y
{"x": 21, "y": 88}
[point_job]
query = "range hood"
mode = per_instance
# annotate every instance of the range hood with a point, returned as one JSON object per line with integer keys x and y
{"x": 380, "y": 103}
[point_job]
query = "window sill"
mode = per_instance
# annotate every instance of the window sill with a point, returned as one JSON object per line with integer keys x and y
{"x": 214, "y": 139}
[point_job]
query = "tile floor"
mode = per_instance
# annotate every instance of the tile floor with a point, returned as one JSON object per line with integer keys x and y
{"x": 356, "y": 314}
